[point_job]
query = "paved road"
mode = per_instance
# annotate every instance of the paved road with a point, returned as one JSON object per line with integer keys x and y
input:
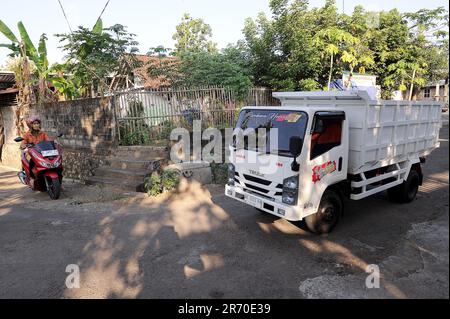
{"x": 201, "y": 244}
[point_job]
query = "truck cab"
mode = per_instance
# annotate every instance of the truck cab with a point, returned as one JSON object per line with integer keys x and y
{"x": 289, "y": 181}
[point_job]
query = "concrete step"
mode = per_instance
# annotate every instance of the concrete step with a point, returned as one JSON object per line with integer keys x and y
{"x": 135, "y": 176}
{"x": 141, "y": 152}
{"x": 115, "y": 182}
{"x": 136, "y": 165}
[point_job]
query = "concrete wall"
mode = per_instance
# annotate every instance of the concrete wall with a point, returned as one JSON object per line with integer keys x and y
{"x": 89, "y": 133}
{"x": 10, "y": 154}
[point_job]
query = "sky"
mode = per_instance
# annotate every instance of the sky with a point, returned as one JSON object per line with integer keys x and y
{"x": 154, "y": 21}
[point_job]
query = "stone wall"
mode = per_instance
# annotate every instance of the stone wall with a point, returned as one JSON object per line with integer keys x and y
{"x": 10, "y": 153}
{"x": 88, "y": 129}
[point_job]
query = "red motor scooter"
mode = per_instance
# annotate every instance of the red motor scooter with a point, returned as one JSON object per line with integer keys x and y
{"x": 42, "y": 167}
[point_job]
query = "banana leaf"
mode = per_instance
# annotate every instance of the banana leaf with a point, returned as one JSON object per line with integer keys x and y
{"x": 98, "y": 27}
{"x": 42, "y": 49}
{"x": 26, "y": 38}
{"x": 7, "y": 32}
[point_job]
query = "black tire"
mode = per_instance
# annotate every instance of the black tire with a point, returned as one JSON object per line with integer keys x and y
{"x": 328, "y": 214}
{"x": 53, "y": 188}
{"x": 407, "y": 191}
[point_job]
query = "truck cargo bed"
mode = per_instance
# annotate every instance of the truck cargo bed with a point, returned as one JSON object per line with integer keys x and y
{"x": 381, "y": 132}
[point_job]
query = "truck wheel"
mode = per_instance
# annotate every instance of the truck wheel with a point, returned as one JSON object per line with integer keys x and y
{"x": 328, "y": 214}
{"x": 406, "y": 192}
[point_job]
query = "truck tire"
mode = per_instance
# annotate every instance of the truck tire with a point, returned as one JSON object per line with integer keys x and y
{"x": 407, "y": 191}
{"x": 328, "y": 214}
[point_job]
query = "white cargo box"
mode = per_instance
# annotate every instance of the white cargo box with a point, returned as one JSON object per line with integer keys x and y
{"x": 381, "y": 132}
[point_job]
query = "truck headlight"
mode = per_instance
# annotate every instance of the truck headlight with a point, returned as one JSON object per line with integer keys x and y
{"x": 231, "y": 173}
{"x": 289, "y": 199}
{"x": 290, "y": 190}
{"x": 291, "y": 183}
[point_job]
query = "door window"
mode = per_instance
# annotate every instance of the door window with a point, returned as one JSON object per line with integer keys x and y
{"x": 326, "y": 136}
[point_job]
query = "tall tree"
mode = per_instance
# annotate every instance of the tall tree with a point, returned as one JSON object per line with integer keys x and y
{"x": 193, "y": 35}
{"x": 95, "y": 55}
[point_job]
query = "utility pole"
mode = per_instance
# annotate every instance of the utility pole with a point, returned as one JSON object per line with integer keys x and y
{"x": 412, "y": 85}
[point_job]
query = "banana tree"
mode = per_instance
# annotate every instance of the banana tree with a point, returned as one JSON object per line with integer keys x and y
{"x": 26, "y": 49}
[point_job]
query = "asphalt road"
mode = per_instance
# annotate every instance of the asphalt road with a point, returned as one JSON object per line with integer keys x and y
{"x": 200, "y": 244}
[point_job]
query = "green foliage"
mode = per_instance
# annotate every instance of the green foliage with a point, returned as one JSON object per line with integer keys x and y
{"x": 157, "y": 183}
{"x": 194, "y": 69}
{"x": 98, "y": 27}
{"x": 93, "y": 55}
{"x": 166, "y": 129}
{"x": 308, "y": 85}
{"x": 301, "y": 46}
{"x": 136, "y": 138}
{"x": 153, "y": 184}
{"x": 7, "y": 32}
{"x": 213, "y": 69}
{"x": 193, "y": 35}
{"x": 25, "y": 49}
{"x": 220, "y": 173}
{"x": 170, "y": 179}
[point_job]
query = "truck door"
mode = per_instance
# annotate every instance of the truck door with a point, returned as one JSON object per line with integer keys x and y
{"x": 328, "y": 154}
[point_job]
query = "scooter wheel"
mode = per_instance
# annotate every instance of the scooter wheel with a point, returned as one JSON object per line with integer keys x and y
{"x": 54, "y": 188}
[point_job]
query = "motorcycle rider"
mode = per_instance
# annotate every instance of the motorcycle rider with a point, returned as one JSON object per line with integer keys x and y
{"x": 35, "y": 135}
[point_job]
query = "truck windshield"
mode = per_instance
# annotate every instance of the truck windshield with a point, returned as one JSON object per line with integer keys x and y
{"x": 288, "y": 123}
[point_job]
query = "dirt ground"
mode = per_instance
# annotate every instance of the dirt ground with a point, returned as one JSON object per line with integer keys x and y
{"x": 200, "y": 244}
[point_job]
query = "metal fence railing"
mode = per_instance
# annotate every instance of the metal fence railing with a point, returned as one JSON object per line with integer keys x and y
{"x": 144, "y": 115}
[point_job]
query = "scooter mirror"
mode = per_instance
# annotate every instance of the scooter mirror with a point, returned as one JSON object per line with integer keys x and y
{"x": 18, "y": 139}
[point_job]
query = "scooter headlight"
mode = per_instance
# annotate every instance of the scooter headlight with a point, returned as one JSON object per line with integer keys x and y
{"x": 45, "y": 164}
{"x": 57, "y": 163}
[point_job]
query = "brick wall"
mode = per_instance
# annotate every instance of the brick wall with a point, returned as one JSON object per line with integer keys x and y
{"x": 88, "y": 130}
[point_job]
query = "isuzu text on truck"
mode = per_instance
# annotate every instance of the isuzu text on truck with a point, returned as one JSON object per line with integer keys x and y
{"x": 331, "y": 146}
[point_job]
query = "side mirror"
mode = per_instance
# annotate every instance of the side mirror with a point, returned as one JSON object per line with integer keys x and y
{"x": 295, "y": 148}
{"x": 60, "y": 135}
{"x": 295, "y": 145}
{"x": 18, "y": 139}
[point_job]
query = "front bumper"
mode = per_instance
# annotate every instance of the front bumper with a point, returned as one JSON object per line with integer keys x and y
{"x": 291, "y": 213}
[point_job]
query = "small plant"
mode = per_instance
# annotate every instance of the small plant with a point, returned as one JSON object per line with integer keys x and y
{"x": 166, "y": 128}
{"x": 136, "y": 138}
{"x": 170, "y": 179}
{"x": 153, "y": 184}
{"x": 220, "y": 173}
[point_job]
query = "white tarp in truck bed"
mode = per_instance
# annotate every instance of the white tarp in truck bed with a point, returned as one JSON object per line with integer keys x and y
{"x": 381, "y": 132}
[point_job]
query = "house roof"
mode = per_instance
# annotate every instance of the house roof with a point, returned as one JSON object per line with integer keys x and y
{"x": 441, "y": 83}
{"x": 7, "y": 77}
{"x": 146, "y": 63}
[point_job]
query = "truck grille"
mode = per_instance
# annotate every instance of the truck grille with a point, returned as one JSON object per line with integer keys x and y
{"x": 257, "y": 180}
{"x": 259, "y": 186}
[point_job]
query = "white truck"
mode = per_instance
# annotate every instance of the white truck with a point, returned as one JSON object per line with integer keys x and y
{"x": 331, "y": 146}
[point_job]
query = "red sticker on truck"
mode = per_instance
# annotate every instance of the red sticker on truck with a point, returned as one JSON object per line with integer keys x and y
{"x": 320, "y": 171}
